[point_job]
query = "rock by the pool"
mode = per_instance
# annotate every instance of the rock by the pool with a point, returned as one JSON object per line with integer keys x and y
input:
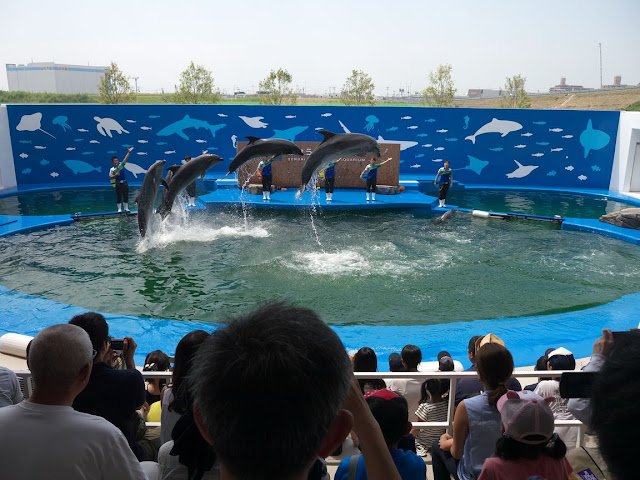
{"x": 627, "y": 218}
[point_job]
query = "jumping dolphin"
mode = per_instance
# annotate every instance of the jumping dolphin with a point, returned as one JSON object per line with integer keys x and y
{"x": 183, "y": 176}
{"x": 171, "y": 171}
{"x": 263, "y": 148}
{"x": 147, "y": 196}
{"x": 333, "y": 147}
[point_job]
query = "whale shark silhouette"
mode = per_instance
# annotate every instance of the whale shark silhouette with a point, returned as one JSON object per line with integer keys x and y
{"x": 178, "y": 128}
{"x": 496, "y": 126}
{"x": 592, "y": 139}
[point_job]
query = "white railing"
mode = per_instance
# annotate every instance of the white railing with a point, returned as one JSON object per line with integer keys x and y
{"x": 26, "y": 384}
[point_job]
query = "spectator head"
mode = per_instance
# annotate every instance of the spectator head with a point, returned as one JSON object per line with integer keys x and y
{"x": 157, "y": 361}
{"x": 431, "y": 387}
{"x": 60, "y": 359}
{"x": 395, "y": 363}
{"x": 445, "y": 364}
{"x": 527, "y": 422}
{"x": 365, "y": 360}
{"x": 443, "y": 353}
{"x": 495, "y": 366}
{"x": 392, "y": 414}
{"x": 616, "y": 416}
{"x": 561, "y": 359}
{"x": 541, "y": 363}
{"x": 281, "y": 374}
{"x": 185, "y": 352}
{"x": 96, "y": 326}
{"x": 471, "y": 349}
{"x": 411, "y": 357}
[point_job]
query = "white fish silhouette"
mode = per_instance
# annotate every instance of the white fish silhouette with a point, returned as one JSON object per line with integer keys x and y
{"x": 437, "y": 160}
{"x": 556, "y": 130}
{"x": 83, "y": 130}
{"x": 326, "y": 114}
{"x": 442, "y": 131}
{"x": 139, "y": 153}
{"x": 131, "y": 121}
{"x": 92, "y": 141}
{"x": 222, "y": 115}
{"x": 405, "y": 118}
{"x": 437, "y": 149}
{"x": 519, "y": 146}
{"x": 567, "y": 136}
{"x": 427, "y": 145}
{"x": 528, "y": 134}
{"x": 54, "y": 174}
{"x": 556, "y": 149}
{"x": 415, "y": 166}
{"x": 39, "y": 147}
{"x": 23, "y": 155}
{"x": 142, "y": 141}
{"x": 201, "y": 141}
{"x": 71, "y": 148}
{"x": 537, "y": 154}
{"x": 169, "y": 152}
{"x": 412, "y": 127}
{"x": 290, "y": 116}
{"x": 582, "y": 177}
{"x": 570, "y": 168}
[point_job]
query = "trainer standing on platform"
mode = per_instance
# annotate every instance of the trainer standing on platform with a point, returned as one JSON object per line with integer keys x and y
{"x": 330, "y": 179}
{"x": 264, "y": 172}
{"x": 372, "y": 176}
{"x": 446, "y": 178}
{"x": 118, "y": 176}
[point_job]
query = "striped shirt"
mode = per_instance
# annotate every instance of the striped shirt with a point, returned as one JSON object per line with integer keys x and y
{"x": 430, "y": 412}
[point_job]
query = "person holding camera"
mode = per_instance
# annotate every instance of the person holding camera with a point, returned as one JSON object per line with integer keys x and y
{"x": 114, "y": 395}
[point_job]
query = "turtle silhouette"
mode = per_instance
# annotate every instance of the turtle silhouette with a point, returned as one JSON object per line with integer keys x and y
{"x": 105, "y": 125}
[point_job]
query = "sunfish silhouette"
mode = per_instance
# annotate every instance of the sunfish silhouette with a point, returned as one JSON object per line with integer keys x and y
{"x": 592, "y": 139}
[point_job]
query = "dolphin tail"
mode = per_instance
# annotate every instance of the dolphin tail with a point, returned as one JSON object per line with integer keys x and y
{"x": 472, "y": 138}
{"x": 99, "y": 169}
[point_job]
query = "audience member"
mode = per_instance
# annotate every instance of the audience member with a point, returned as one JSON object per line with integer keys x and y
{"x": 390, "y": 411}
{"x": 156, "y": 361}
{"x": 432, "y": 408}
{"x": 615, "y": 414}
{"x": 175, "y": 404}
{"x": 559, "y": 359}
{"x": 409, "y": 388}
{"x": 470, "y": 387}
{"x": 365, "y": 360}
{"x": 115, "y": 395}
{"x": 10, "y": 393}
{"x": 268, "y": 391}
{"x": 44, "y": 437}
{"x": 445, "y": 364}
{"x": 528, "y": 449}
{"x": 476, "y": 425}
{"x": 541, "y": 365}
{"x": 395, "y": 363}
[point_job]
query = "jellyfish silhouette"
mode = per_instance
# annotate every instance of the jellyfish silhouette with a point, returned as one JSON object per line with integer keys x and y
{"x": 371, "y": 121}
{"x": 62, "y": 121}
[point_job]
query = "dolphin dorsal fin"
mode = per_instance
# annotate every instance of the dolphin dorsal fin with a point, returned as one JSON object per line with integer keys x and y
{"x": 326, "y": 134}
{"x": 518, "y": 163}
{"x": 251, "y": 139}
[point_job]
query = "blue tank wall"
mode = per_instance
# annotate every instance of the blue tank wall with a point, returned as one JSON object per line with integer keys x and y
{"x": 61, "y": 144}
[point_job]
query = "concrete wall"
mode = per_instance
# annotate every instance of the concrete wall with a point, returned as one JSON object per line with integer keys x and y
{"x": 628, "y": 137}
{"x": 56, "y": 144}
{"x": 53, "y": 78}
{"x": 7, "y": 170}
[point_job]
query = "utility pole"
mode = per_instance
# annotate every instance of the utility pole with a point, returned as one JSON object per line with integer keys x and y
{"x": 136, "y": 80}
{"x": 600, "y": 47}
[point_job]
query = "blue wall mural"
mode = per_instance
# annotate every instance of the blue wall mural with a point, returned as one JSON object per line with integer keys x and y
{"x": 61, "y": 144}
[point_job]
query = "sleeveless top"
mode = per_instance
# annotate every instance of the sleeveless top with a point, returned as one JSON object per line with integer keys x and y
{"x": 484, "y": 431}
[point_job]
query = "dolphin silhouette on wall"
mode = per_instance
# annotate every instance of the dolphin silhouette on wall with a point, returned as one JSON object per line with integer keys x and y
{"x": 503, "y": 127}
{"x": 333, "y": 147}
{"x": 522, "y": 170}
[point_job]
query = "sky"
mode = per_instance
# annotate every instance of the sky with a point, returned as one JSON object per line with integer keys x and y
{"x": 397, "y": 43}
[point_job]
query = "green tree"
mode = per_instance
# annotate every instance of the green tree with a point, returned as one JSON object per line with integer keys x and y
{"x": 441, "y": 90}
{"x": 358, "y": 89}
{"x": 277, "y": 89}
{"x": 196, "y": 86}
{"x": 515, "y": 96}
{"x": 114, "y": 86}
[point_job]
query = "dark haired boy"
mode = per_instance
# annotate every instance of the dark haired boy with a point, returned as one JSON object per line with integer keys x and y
{"x": 409, "y": 388}
{"x": 390, "y": 411}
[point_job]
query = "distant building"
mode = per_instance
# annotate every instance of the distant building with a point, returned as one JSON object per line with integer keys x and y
{"x": 483, "y": 93}
{"x": 617, "y": 83}
{"x": 564, "y": 88}
{"x": 49, "y": 77}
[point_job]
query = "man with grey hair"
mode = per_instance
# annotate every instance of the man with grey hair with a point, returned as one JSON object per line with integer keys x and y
{"x": 44, "y": 437}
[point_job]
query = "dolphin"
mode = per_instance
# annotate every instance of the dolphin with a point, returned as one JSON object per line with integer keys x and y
{"x": 496, "y": 126}
{"x": 263, "y": 148}
{"x": 444, "y": 217}
{"x": 147, "y": 196}
{"x": 522, "y": 170}
{"x": 333, "y": 147}
{"x": 171, "y": 171}
{"x": 183, "y": 176}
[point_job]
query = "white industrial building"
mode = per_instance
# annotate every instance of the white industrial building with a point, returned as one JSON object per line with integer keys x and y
{"x": 49, "y": 77}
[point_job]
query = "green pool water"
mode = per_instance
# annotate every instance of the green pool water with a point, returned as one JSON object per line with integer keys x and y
{"x": 384, "y": 268}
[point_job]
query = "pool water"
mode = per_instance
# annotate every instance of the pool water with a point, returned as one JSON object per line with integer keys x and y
{"x": 377, "y": 268}
{"x": 535, "y": 202}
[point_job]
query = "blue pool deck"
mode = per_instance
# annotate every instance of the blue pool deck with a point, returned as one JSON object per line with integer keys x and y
{"x": 525, "y": 336}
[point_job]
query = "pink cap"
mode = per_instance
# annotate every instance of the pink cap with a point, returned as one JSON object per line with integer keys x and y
{"x": 526, "y": 417}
